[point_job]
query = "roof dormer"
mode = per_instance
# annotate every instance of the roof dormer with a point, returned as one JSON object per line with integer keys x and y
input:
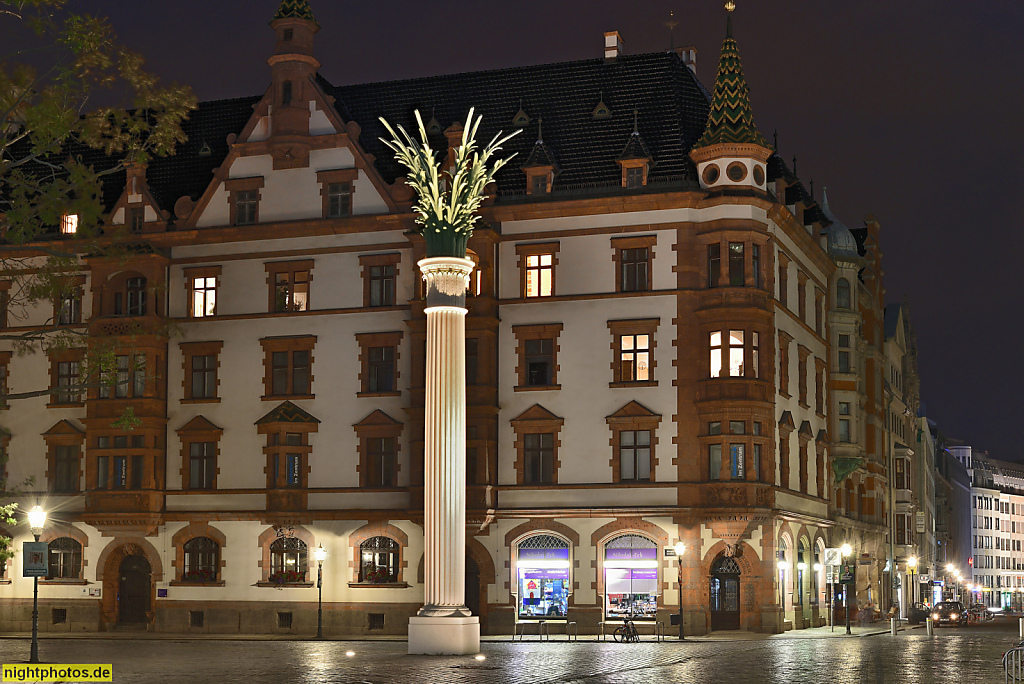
{"x": 635, "y": 160}
{"x": 540, "y": 166}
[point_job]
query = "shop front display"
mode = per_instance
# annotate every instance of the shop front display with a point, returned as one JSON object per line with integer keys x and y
{"x": 631, "y": 578}
{"x": 543, "y": 582}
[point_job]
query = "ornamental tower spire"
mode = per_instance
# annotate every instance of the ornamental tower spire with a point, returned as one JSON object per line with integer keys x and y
{"x": 292, "y": 69}
{"x": 731, "y": 137}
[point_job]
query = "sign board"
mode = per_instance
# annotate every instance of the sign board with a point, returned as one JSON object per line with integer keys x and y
{"x": 670, "y": 552}
{"x": 925, "y": 579}
{"x": 833, "y": 556}
{"x": 846, "y": 573}
{"x": 34, "y": 559}
{"x": 920, "y": 522}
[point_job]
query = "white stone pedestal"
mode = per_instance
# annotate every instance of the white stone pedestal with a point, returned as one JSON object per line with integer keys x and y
{"x": 444, "y": 635}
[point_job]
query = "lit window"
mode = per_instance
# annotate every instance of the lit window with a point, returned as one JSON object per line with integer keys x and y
{"x": 539, "y": 269}
{"x": 736, "y": 353}
{"x": 378, "y": 561}
{"x": 635, "y": 358}
{"x": 716, "y": 354}
{"x": 291, "y": 291}
{"x": 288, "y": 560}
{"x": 204, "y": 297}
{"x": 69, "y": 224}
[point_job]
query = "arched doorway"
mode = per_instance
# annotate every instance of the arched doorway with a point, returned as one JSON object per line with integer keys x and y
{"x": 724, "y": 596}
{"x": 472, "y": 586}
{"x": 133, "y": 590}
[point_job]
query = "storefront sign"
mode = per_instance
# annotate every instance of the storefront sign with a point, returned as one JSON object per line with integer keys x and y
{"x": 631, "y": 554}
{"x": 544, "y": 554}
{"x": 545, "y": 574}
{"x": 34, "y": 559}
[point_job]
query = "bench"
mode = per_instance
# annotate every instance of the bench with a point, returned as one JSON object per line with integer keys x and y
{"x": 544, "y": 630}
{"x": 606, "y": 627}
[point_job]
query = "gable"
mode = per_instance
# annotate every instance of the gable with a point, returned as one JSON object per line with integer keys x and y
{"x": 536, "y": 413}
{"x": 377, "y": 418}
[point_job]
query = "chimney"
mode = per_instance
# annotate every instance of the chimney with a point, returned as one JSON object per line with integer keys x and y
{"x": 612, "y": 45}
{"x": 689, "y": 56}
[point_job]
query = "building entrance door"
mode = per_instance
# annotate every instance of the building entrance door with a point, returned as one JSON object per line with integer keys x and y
{"x": 725, "y": 594}
{"x": 133, "y": 590}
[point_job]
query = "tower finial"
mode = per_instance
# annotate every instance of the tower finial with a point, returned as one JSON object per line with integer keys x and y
{"x": 540, "y": 127}
{"x": 730, "y": 7}
{"x": 635, "y": 113}
{"x": 671, "y": 24}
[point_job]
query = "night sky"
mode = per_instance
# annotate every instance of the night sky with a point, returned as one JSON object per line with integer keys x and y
{"x": 910, "y": 111}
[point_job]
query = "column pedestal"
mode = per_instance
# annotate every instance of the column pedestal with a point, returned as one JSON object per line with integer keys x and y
{"x": 444, "y": 635}
{"x": 444, "y": 625}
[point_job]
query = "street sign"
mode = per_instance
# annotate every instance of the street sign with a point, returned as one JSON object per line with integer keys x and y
{"x": 670, "y": 552}
{"x": 34, "y": 559}
{"x": 833, "y": 556}
{"x": 925, "y": 579}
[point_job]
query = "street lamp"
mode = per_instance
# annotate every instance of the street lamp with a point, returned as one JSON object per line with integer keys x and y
{"x": 680, "y": 550}
{"x": 912, "y": 566}
{"x": 320, "y": 555}
{"x": 36, "y": 521}
{"x": 846, "y": 550}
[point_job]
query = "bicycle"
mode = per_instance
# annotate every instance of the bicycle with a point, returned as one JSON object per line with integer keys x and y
{"x": 626, "y": 633}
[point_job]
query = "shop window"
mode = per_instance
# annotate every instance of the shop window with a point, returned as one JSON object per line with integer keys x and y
{"x": 542, "y": 568}
{"x": 202, "y": 560}
{"x": 537, "y": 264}
{"x": 288, "y": 561}
{"x": 380, "y": 272}
{"x": 631, "y": 578}
{"x": 289, "y": 285}
{"x": 378, "y": 561}
{"x": 64, "y": 559}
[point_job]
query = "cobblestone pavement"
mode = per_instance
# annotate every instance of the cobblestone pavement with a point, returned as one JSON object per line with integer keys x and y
{"x": 970, "y": 655}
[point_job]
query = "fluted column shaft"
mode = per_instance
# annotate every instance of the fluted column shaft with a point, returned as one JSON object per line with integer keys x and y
{"x": 445, "y": 438}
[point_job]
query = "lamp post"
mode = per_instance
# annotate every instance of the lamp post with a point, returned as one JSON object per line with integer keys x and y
{"x": 912, "y": 567}
{"x": 846, "y": 550}
{"x": 320, "y": 555}
{"x": 36, "y": 521}
{"x": 949, "y": 571}
{"x": 680, "y": 550}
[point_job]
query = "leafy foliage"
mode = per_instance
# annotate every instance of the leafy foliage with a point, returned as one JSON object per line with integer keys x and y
{"x": 448, "y": 201}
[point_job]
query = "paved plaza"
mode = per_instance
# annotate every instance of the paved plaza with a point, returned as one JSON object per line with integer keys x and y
{"x": 912, "y": 657}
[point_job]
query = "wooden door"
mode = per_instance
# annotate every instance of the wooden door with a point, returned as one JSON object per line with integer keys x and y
{"x": 134, "y": 590}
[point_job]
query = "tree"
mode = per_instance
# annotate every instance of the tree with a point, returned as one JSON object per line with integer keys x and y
{"x": 77, "y": 108}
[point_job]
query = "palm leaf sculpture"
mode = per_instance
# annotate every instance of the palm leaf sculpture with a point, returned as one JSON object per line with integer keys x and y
{"x": 447, "y": 201}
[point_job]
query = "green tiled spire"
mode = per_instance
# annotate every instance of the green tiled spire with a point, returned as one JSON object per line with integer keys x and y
{"x": 730, "y": 119}
{"x": 295, "y": 9}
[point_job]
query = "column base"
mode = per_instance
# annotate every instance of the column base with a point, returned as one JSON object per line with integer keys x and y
{"x": 444, "y": 635}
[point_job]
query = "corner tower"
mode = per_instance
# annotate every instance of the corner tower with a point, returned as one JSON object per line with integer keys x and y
{"x": 732, "y": 152}
{"x": 292, "y": 69}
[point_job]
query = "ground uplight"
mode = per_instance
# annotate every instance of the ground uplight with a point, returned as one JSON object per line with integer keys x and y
{"x": 481, "y": 657}
{"x": 350, "y": 653}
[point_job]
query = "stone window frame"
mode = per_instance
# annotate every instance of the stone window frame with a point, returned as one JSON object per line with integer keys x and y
{"x": 193, "y": 349}
{"x": 58, "y": 356}
{"x": 536, "y": 421}
{"x": 537, "y": 249}
{"x": 801, "y": 295}
{"x": 547, "y": 173}
{"x": 198, "y": 430}
{"x": 274, "y": 268}
{"x": 524, "y": 333}
{"x": 289, "y": 344}
{"x": 820, "y": 368}
{"x": 190, "y": 274}
{"x": 633, "y": 326}
{"x": 366, "y": 262}
{"x": 66, "y": 530}
{"x": 634, "y": 242}
{"x": 633, "y": 416}
{"x": 786, "y": 429}
{"x": 803, "y": 353}
{"x": 272, "y": 534}
{"x": 64, "y": 433}
{"x": 783, "y": 278}
{"x": 377, "y": 425}
{"x": 77, "y": 287}
{"x": 368, "y": 341}
{"x": 277, "y": 446}
{"x": 785, "y": 340}
{"x": 819, "y": 311}
{"x": 626, "y": 165}
{"x": 358, "y": 537}
{"x": 236, "y": 185}
{"x": 804, "y": 437}
{"x": 328, "y": 176}
{"x": 194, "y": 530}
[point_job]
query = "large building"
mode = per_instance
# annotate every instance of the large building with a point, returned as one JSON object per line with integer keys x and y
{"x": 649, "y": 359}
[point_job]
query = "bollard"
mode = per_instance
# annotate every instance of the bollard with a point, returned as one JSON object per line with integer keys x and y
{"x": 930, "y": 624}
{"x": 1022, "y": 628}
{"x": 892, "y": 626}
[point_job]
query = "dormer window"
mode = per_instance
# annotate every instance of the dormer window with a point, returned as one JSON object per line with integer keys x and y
{"x": 634, "y": 173}
{"x": 634, "y": 178}
{"x": 69, "y": 224}
{"x": 521, "y": 119}
{"x": 539, "y": 184}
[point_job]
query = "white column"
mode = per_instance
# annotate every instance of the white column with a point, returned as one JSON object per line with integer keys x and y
{"x": 444, "y": 625}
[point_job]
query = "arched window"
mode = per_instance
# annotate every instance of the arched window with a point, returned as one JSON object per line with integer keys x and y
{"x": 843, "y": 293}
{"x": 542, "y": 565}
{"x": 202, "y": 560}
{"x": 65, "y": 561}
{"x": 378, "y": 560}
{"x": 288, "y": 561}
{"x": 801, "y": 571}
{"x": 631, "y": 577}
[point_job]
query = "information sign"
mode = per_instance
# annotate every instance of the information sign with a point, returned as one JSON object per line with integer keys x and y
{"x": 34, "y": 559}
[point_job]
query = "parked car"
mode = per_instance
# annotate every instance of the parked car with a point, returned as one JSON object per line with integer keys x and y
{"x": 949, "y": 613}
{"x": 918, "y": 613}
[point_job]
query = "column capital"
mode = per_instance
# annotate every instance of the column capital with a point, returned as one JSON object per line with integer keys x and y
{"x": 447, "y": 280}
